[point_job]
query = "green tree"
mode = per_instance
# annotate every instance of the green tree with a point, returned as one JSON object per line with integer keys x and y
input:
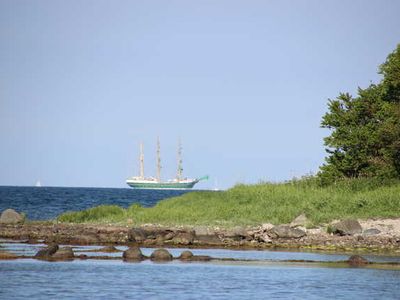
{"x": 365, "y": 130}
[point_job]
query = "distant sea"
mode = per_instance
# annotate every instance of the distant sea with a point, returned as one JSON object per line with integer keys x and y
{"x": 43, "y": 203}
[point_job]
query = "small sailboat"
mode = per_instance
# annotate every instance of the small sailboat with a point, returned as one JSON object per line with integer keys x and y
{"x": 179, "y": 182}
{"x": 38, "y": 184}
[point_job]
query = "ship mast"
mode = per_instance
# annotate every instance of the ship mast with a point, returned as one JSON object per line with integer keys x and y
{"x": 179, "y": 159}
{"x": 158, "y": 161}
{"x": 141, "y": 160}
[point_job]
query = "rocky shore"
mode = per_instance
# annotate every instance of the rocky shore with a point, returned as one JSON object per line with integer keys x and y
{"x": 347, "y": 235}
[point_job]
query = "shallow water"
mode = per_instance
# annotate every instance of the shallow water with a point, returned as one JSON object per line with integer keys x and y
{"x": 29, "y": 279}
{"x": 42, "y": 203}
{"x": 115, "y": 279}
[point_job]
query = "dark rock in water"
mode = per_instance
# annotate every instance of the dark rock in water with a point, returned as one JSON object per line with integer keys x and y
{"x": 184, "y": 238}
{"x": 347, "y": 227}
{"x": 109, "y": 249}
{"x": 285, "y": 231}
{"x": 65, "y": 253}
{"x": 10, "y": 216}
{"x": 7, "y": 255}
{"x": 47, "y": 252}
{"x": 161, "y": 255}
{"x": 300, "y": 220}
{"x": 200, "y": 258}
{"x": 357, "y": 260}
{"x": 371, "y": 231}
{"x": 133, "y": 254}
{"x": 137, "y": 235}
{"x": 186, "y": 255}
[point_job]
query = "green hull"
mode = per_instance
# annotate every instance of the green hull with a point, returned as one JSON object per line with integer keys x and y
{"x": 162, "y": 185}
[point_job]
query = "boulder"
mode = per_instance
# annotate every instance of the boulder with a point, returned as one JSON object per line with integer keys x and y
{"x": 47, "y": 252}
{"x": 184, "y": 238}
{"x": 10, "y": 216}
{"x": 300, "y": 220}
{"x": 109, "y": 249}
{"x": 236, "y": 233}
{"x": 64, "y": 253}
{"x": 357, "y": 260}
{"x": 161, "y": 255}
{"x": 133, "y": 254}
{"x": 186, "y": 255}
{"x": 371, "y": 231}
{"x": 347, "y": 227}
{"x": 285, "y": 231}
{"x": 137, "y": 235}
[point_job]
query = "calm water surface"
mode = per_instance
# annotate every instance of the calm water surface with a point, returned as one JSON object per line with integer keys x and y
{"x": 99, "y": 279}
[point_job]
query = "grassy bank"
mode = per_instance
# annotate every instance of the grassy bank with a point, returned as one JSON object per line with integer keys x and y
{"x": 256, "y": 204}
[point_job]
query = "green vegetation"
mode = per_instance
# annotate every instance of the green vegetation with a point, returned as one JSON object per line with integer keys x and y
{"x": 365, "y": 137}
{"x": 257, "y": 204}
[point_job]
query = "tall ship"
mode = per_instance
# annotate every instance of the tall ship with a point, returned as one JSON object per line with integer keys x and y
{"x": 179, "y": 182}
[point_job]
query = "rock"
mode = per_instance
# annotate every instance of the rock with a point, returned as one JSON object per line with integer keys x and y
{"x": 169, "y": 236}
{"x": 300, "y": 220}
{"x": 203, "y": 230}
{"x": 7, "y": 255}
{"x": 137, "y": 235}
{"x": 184, "y": 238}
{"x": 357, "y": 260}
{"x": 371, "y": 231}
{"x": 161, "y": 255}
{"x": 237, "y": 233}
{"x": 47, "y": 252}
{"x": 267, "y": 226}
{"x": 285, "y": 231}
{"x": 10, "y": 216}
{"x": 209, "y": 239}
{"x": 264, "y": 238}
{"x": 84, "y": 239}
{"x": 201, "y": 258}
{"x": 133, "y": 254}
{"x": 64, "y": 253}
{"x": 186, "y": 255}
{"x": 109, "y": 249}
{"x": 347, "y": 227}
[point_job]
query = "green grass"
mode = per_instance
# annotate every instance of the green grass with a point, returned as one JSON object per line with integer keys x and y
{"x": 257, "y": 204}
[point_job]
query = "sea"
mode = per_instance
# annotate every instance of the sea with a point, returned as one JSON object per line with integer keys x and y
{"x": 268, "y": 278}
{"x": 45, "y": 203}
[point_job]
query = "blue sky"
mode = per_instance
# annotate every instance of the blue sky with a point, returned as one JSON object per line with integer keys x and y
{"x": 243, "y": 83}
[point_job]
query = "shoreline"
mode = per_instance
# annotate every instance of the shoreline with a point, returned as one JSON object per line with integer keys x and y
{"x": 201, "y": 237}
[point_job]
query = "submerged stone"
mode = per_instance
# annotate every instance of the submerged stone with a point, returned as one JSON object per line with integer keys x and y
{"x": 47, "y": 252}
{"x": 186, "y": 255}
{"x": 64, "y": 253}
{"x": 161, "y": 255}
{"x": 357, "y": 260}
{"x": 133, "y": 254}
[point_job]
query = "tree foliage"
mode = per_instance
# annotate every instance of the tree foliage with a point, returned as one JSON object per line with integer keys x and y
{"x": 365, "y": 130}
